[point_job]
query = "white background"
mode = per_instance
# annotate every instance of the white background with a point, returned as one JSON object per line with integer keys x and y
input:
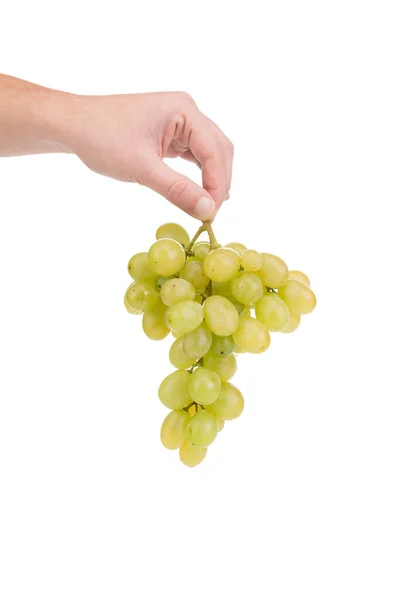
{"x": 299, "y": 498}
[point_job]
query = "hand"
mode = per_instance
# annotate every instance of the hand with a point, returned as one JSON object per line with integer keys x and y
{"x": 126, "y": 137}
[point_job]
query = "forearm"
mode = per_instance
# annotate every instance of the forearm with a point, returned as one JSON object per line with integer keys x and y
{"x": 33, "y": 119}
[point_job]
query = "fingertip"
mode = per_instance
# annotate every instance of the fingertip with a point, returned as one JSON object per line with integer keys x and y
{"x": 204, "y": 208}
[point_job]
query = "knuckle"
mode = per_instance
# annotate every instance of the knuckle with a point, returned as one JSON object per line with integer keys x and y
{"x": 177, "y": 189}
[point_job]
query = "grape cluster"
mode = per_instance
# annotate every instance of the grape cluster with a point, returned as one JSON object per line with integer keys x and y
{"x": 217, "y": 302}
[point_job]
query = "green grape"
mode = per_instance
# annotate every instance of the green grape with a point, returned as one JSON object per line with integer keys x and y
{"x": 142, "y": 296}
{"x": 138, "y": 268}
{"x": 273, "y": 312}
{"x": 204, "y": 386}
{"x": 177, "y": 355}
{"x": 222, "y": 264}
{"x": 220, "y": 315}
{"x": 166, "y": 257}
{"x": 130, "y": 310}
{"x": 293, "y": 323}
{"x": 198, "y": 299}
{"x": 298, "y": 297}
{"x": 229, "y": 404}
{"x": 299, "y": 276}
{"x": 273, "y": 272}
{"x": 202, "y": 429}
{"x": 190, "y": 455}
{"x": 247, "y": 288}
{"x": 246, "y": 313}
{"x": 225, "y": 290}
{"x": 161, "y": 280}
{"x": 251, "y": 335}
{"x": 153, "y": 322}
{"x": 196, "y": 343}
{"x": 222, "y": 346}
{"x": 184, "y": 317}
{"x": 174, "y": 232}
{"x": 174, "y": 390}
{"x": 173, "y": 429}
{"x": 193, "y": 271}
{"x": 221, "y": 425}
{"x": 224, "y": 366}
{"x": 251, "y": 260}
{"x": 176, "y": 290}
{"x": 201, "y": 249}
{"x": 239, "y": 248}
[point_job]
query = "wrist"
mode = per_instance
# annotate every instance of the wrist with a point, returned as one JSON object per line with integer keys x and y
{"x": 53, "y": 114}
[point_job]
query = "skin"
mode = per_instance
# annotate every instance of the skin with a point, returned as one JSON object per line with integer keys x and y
{"x": 125, "y": 137}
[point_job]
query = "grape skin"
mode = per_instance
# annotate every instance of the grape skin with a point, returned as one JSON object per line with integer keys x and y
{"x": 184, "y": 316}
{"x": 220, "y": 315}
{"x": 173, "y": 429}
{"x": 174, "y": 390}
{"x": 166, "y": 257}
{"x": 202, "y": 429}
{"x": 299, "y": 298}
{"x": 204, "y": 386}
{"x": 206, "y": 299}
{"x": 190, "y": 455}
{"x": 176, "y": 290}
{"x": 174, "y": 232}
{"x": 222, "y": 264}
{"x": 252, "y": 336}
{"x": 230, "y": 403}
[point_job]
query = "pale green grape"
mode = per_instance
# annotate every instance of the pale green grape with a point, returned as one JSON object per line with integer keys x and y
{"x": 222, "y": 264}
{"x": 220, "y": 315}
{"x": 273, "y": 272}
{"x": 142, "y": 296}
{"x": 198, "y": 299}
{"x": 299, "y": 276}
{"x": 225, "y": 290}
{"x": 230, "y": 403}
{"x": 202, "y": 429}
{"x": 293, "y": 323}
{"x": 251, "y": 335}
{"x": 224, "y": 366}
{"x": 174, "y": 390}
{"x": 177, "y": 355}
{"x": 175, "y": 290}
{"x": 273, "y": 312}
{"x": 161, "y": 280}
{"x": 201, "y": 249}
{"x": 166, "y": 257}
{"x": 222, "y": 346}
{"x": 184, "y": 316}
{"x": 138, "y": 268}
{"x": 174, "y": 232}
{"x": 237, "y": 246}
{"x": 247, "y": 288}
{"x": 298, "y": 297}
{"x": 153, "y": 322}
{"x": 130, "y": 310}
{"x": 221, "y": 425}
{"x": 193, "y": 271}
{"x": 246, "y": 313}
{"x": 251, "y": 260}
{"x": 190, "y": 455}
{"x": 204, "y": 386}
{"x": 197, "y": 342}
{"x": 173, "y": 429}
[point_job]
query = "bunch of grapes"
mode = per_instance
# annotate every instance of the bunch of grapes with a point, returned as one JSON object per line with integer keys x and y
{"x": 217, "y": 302}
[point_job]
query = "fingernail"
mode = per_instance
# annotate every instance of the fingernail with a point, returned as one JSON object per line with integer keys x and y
{"x": 204, "y": 208}
{"x": 226, "y": 197}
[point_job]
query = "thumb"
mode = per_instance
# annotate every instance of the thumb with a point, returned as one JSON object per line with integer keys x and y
{"x": 180, "y": 190}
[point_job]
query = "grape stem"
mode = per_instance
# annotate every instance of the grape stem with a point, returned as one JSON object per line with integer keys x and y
{"x": 206, "y": 226}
